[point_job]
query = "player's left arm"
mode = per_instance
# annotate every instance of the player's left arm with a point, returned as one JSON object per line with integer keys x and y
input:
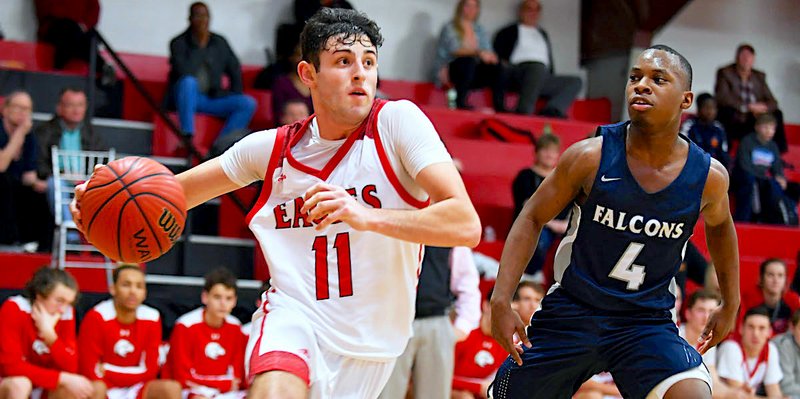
{"x": 724, "y": 251}
{"x": 449, "y": 221}
{"x": 773, "y": 391}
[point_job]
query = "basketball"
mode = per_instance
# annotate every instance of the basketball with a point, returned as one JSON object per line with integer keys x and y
{"x": 133, "y": 210}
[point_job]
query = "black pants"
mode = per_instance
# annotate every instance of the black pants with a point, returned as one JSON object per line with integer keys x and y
{"x": 533, "y": 79}
{"x": 24, "y": 214}
{"x": 70, "y": 42}
{"x": 737, "y": 126}
{"x": 468, "y": 73}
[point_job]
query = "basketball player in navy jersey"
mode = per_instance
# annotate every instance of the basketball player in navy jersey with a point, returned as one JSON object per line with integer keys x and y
{"x": 637, "y": 191}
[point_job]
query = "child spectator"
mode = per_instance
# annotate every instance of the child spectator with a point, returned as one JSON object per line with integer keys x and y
{"x": 37, "y": 341}
{"x": 527, "y": 299}
{"x": 752, "y": 364}
{"x": 706, "y": 131}
{"x": 207, "y": 345}
{"x": 548, "y": 148}
{"x": 773, "y": 295}
{"x": 758, "y": 181}
{"x": 119, "y": 340}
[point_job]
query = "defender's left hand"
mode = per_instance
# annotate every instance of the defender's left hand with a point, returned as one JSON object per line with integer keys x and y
{"x": 327, "y": 204}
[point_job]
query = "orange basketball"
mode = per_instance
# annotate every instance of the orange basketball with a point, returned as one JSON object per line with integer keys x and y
{"x": 133, "y": 210}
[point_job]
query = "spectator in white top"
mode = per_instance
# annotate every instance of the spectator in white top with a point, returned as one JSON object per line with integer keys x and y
{"x": 752, "y": 364}
{"x": 524, "y": 48}
{"x": 788, "y": 344}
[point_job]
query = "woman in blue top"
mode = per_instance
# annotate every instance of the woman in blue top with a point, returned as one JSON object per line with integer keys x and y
{"x": 464, "y": 57}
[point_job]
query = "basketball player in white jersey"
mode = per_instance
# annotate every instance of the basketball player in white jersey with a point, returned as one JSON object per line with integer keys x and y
{"x": 350, "y": 196}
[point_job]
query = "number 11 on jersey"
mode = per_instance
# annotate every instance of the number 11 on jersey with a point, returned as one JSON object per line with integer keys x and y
{"x": 342, "y": 246}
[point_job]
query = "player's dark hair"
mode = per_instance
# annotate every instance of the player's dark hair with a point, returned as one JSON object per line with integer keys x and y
{"x": 347, "y": 26}
{"x": 762, "y": 268}
{"x": 115, "y": 274}
{"x": 764, "y": 119}
{"x": 702, "y": 294}
{"x": 220, "y": 275}
{"x": 530, "y": 284}
{"x": 702, "y": 99}
{"x": 547, "y": 140}
{"x": 685, "y": 65}
{"x": 760, "y": 310}
{"x": 45, "y": 280}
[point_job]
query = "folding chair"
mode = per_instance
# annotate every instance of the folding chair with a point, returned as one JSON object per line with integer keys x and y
{"x": 69, "y": 169}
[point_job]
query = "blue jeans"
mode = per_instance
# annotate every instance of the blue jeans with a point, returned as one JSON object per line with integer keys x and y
{"x": 238, "y": 109}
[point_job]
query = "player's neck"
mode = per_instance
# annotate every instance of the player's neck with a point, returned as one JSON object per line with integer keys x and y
{"x": 125, "y": 316}
{"x": 656, "y": 146}
{"x": 331, "y": 129}
{"x": 212, "y": 320}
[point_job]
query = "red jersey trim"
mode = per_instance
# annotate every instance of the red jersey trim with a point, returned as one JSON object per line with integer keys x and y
{"x": 333, "y": 162}
{"x": 387, "y": 166}
{"x": 274, "y": 159}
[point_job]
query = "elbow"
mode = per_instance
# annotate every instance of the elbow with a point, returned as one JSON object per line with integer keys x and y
{"x": 470, "y": 234}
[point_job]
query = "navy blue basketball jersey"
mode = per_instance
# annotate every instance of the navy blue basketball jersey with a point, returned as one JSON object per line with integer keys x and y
{"x": 624, "y": 245}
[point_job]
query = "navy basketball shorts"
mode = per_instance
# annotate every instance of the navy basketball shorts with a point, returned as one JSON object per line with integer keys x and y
{"x": 572, "y": 341}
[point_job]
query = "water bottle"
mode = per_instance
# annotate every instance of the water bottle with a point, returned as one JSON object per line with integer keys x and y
{"x": 451, "y": 98}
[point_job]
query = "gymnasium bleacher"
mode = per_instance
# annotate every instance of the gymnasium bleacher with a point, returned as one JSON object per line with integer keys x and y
{"x": 219, "y": 232}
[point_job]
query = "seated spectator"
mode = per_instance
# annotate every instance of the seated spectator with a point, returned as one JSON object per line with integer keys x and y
{"x": 287, "y": 88}
{"x": 752, "y": 365}
{"x": 68, "y": 130}
{"x": 294, "y": 111}
{"x": 527, "y": 299}
{"x": 524, "y": 48}
{"x": 119, "y": 340}
{"x": 774, "y": 295}
{"x": 23, "y": 204}
{"x": 207, "y": 345}
{"x": 600, "y": 386}
{"x": 37, "y": 341}
{"x": 548, "y": 149}
{"x": 743, "y": 95}
{"x": 706, "y": 131}
{"x": 758, "y": 181}
{"x": 69, "y": 26}
{"x": 198, "y": 59}
{"x": 788, "y": 345}
{"x": 477, "y": 358}
{"x": 464, "y": 57}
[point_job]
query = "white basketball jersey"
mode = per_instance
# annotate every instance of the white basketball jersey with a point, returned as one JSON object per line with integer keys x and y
{"x": 357, "y": 288}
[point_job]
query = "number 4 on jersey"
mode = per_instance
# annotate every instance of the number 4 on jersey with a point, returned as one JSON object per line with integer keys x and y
{"x": 342, "y": 246}
{"x": 626, "y": 271}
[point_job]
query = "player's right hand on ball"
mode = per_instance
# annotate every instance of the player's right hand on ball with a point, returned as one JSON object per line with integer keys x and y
{"x": 506, "y": 322}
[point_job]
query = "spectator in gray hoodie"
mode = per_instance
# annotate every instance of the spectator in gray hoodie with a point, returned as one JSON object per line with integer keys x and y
{"x": 788, "y": 345}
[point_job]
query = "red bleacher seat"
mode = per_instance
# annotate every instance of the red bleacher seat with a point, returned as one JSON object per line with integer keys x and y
{"x": 165, "y": 143}
{"x": 792, "y": 133}
{"x": 262, "y": 118}
{"x": 231, "y": 217}
{"x": 791, "y": 160}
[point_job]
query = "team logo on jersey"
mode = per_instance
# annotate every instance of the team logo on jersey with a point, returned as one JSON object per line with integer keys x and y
{"x": 214, "y": 350}
{"x": 484, "y": 358}
{"x": 40, "y": 347}
{"x": 123, "y": 347}
{"x": 636, "y": 224}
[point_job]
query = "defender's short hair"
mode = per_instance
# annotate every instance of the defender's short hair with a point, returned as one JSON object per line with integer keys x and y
{"x": 684, "y": 63}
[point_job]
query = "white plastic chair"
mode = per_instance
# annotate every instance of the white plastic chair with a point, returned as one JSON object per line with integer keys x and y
{"x": 69, "y": 169}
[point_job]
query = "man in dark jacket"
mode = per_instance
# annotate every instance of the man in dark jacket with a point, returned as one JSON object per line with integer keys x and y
{"x": 68, "y": 130}
{"x": 198, "y": 59}
{"x": 525, "y": 49}
{"x": 743, "y": 94}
